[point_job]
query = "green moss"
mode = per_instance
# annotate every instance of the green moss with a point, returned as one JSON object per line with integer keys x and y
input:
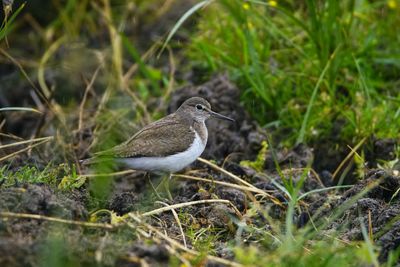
{"x": 259, "y": 162}
{"x": 62, "y": 175}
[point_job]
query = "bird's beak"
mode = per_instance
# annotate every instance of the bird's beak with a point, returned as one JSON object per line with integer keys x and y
{"x": 219, "y": 116}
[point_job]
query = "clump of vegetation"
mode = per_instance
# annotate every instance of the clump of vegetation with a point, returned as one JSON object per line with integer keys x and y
{"x": 258, "y": 163}
{"x": 306, "y": 66}
{"x": 62, "y": 176}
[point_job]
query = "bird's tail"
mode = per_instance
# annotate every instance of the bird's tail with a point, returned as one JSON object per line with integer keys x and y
{"x": 94, "y": 160}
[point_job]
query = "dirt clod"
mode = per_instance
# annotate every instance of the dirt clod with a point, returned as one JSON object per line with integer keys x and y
{"x": 43, "y": 200}
{"x": 237, "y": 197}
{"x": 384, "y": 149}
{"x": 377, "y": 208}
{"x": 123, "y": 203}
{"x": 152, "y": 253}
{"x": 387, "y": 186}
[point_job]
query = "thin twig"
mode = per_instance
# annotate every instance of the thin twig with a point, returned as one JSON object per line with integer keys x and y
{"x": 370, "y": 231}
{"x": 22, "y": 150}
{"x": 88, "y": 88}
{"x": 252, "y": 189}
{"x": 42, "y": 66}
{"x": 171, "y": 80}
{"x": 348, "y": 157}
{"x": 11, "y": 136}
{"x": 177, "y": 244}
{"x": 177, "y": 221}
{"x": 190, "y": 203}
{"x": 138, "y": 102}
{"x": 13, "y": 60}
{"x": 236, "y": 186}
{"x": 217, "y": 168}
{"x": 27, "y": 142}
{"x": 2, "y": 123}
{"x": 6, "y": 214}
{"x": 103, "y": 101}
{"x": 120, "y": 173}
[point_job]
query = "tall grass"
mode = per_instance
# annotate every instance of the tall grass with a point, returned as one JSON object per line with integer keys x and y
{"x": 8, "y": 23}
{"x": 306, "y": 65}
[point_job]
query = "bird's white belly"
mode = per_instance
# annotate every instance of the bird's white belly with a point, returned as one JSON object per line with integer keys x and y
{"x": 171, "y": 163}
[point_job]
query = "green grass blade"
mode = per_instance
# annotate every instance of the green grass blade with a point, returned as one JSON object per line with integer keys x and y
{"x": 6, "y": 26}
{"x": 302, "y": 131}
{"x": 322, "y": 190}
{"x": 282, "y": 188}
{"x": 142, "y": 66}
{"x": 369, "y": 245}
{"x": 363, "y": 80}
{"x": 182, "y": 19}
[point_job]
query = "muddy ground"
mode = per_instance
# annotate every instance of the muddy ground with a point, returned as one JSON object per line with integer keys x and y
{"x": 32, "y": 242}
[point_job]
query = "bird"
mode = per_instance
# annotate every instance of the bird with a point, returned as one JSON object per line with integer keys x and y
{"x": 170, "y": 144}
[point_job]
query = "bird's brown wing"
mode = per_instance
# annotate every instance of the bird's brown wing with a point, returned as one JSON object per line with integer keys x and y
{"x": 157, "y": 140}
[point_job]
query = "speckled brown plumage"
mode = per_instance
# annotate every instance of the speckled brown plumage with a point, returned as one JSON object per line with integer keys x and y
{"x": 164, "y": 137}
{"x": 167, "y": 136}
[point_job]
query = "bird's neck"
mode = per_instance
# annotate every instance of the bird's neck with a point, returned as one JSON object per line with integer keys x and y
{"x": 199, "y": 126}
{"x": 201, "y": 130}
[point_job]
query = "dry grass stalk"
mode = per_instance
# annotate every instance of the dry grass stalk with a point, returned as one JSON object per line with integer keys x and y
{"x": 252, "y": 189}
{"x": 27, "y": 142}
{"x": 233, "y": 176}
{"x": 46, "y": 139}
{"x": 236, "y": 186}
{"x": 370, "y": 227}
{"x": 177, "y": 221}
{"x": 6, "y": 214}
{"x": 191, "y": 203}
{"x": 11, "y": 136}
{"x": 347, "y": 158}
{"x": 42, "y": 66}
{"x": 120, "y": 173}
{"x": 139, "y": 103}
{"x": 31, "y": 83}
{"x": 89, "y": 86}
{"x": 175, "y": 244}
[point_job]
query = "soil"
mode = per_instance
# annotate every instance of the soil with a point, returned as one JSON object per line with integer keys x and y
{"x": 24, "y": 242}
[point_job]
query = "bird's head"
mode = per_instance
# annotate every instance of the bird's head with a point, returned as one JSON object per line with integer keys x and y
{"x": 200, "y": 110}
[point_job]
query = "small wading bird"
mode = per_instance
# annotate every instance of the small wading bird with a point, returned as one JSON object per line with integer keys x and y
{"x": 169, "y": 144}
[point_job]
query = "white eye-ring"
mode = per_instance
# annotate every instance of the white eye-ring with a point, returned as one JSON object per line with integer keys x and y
{"x": 199, "y": 107}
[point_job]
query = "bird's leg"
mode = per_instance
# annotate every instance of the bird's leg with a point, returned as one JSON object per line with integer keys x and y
{"x": 152, "y": 186}
{"x": 166, "y": 185}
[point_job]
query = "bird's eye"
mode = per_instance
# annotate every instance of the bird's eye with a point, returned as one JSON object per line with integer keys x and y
{"x": 199, "y": 107}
